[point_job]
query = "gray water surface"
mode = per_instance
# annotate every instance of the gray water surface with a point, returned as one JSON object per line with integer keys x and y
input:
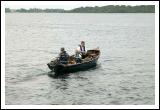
{"x": 124, "y": 74}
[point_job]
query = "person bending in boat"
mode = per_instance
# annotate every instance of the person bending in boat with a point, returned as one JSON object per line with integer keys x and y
{"x": 77, "y": 57}
{"x": 63, "y": 56}
{"x": 81, "y": 49}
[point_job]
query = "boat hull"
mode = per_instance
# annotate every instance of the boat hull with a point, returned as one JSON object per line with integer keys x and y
{"x": 60, "y": 68}
{"x": 73, "y": 68}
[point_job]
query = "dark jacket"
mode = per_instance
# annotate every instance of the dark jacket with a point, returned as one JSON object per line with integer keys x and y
{"x": 63, "y": 57}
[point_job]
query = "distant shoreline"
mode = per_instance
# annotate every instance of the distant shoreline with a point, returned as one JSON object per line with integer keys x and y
{"x": 78, "y": 13}
{"x": 96, "y": 9}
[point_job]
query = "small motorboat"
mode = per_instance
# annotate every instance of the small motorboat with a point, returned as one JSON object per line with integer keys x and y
{"x": 89, "y": 61}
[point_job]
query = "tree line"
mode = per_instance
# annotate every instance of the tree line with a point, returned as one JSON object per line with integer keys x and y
{"x": 96, "y": 9}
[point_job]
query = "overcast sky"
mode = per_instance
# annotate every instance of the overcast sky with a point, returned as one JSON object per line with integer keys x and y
{"x": 67, "y": 5}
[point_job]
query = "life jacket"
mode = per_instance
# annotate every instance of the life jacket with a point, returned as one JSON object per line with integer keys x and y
{"x": 64, "y": 56}
{"x": 82, "y": 49}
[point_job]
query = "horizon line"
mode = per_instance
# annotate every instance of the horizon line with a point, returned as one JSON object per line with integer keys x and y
{"x": 71, "y": 8}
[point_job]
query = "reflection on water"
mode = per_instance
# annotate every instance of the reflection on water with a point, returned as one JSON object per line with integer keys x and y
{"x": 56, "y": 76}
{"x": 125, "y": 70}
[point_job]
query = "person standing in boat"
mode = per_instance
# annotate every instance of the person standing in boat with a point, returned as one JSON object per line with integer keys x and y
{"x": 81, "y": 49}
{"x": 63, "y": 56}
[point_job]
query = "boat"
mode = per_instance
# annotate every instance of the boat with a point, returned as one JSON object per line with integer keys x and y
{"x": 88, "y": 62}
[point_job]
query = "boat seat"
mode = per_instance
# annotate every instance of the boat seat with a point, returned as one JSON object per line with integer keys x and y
{"x": 92, "y": 55}
{"x": 71, "y": 60}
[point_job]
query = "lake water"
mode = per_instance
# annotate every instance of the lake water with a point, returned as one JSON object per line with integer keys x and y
{"x": 124, "y": 74}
